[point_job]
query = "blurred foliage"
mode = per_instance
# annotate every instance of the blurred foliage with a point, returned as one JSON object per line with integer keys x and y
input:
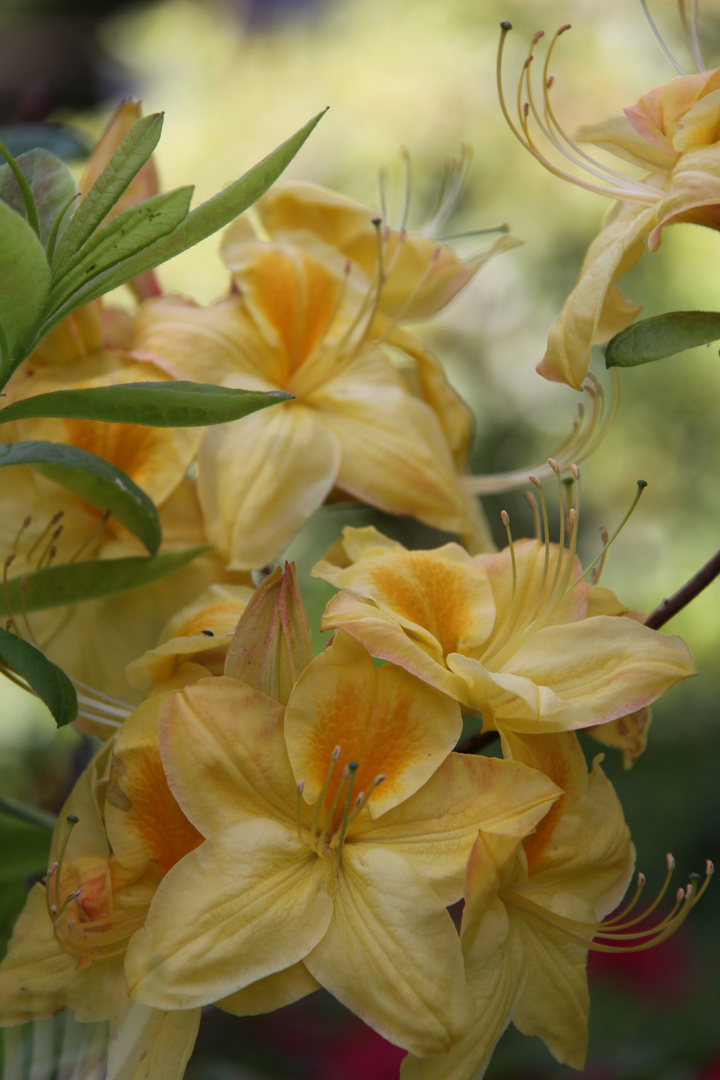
{"x": 423, "y": 75}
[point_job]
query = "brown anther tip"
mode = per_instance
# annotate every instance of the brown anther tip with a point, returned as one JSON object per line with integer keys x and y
{"x": 670, "y": 861}
{"x": 300, "y": 787}
{"x": 106, "y": 516}
{"x": 575, "y": 471}
{"x": 689, "y": 890}
{"x": 9, "y": 559}
{"x": 563, "y": 29}
{"x": 553, "y": 465}
{"x": 641, "y": 879}
{"x": 9, "y": 623}
{"x": 504, "y": 517}
{"x": 537, "y": 35}
{"x": 336, "y": 753}
{"x": 526, "y": 109}
{"x": 679, "y": 895}
{"x": 360, "y": 798}
{"x": 604, "y": 534}
{"x": 549, "y": 82}
{"x": 27, "y": 521}
{"x": 56, "y": 517}
{"x": 526, "y": 63}
{"x": 534, "y": 480}
{"x": 709, "y": 868}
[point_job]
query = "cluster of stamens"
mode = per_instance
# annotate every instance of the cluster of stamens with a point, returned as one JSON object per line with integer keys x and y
{"x": 620, "y": 934}
{"x": 88, "y": 939}
{"x": 525, "y": 618}
{"x": 607, "y": 181}
{"x": 325, "y": 832}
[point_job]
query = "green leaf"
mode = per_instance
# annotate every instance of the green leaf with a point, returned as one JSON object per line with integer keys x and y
{"x": 21, "y": 816}
{"x": 126, "y": 162}
{"x": 197, "y": 225}
{"x": 157, "y": 404}
{"x": 71, "y": 583}
{"x": 49, "y": 682}
{"x": 664, "y": 335}
{"x": 24, "y": 281}
{"x": 93, "y": 479}
{"x": 51, "y": 184}
{"x": 113, "y": 244}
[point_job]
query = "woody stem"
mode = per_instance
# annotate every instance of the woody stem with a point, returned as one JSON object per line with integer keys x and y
{"x": 675, "y": 603}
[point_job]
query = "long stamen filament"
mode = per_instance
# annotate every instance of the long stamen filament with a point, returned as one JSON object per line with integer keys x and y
{"x": 641, "y": 485}
{"x": 352, "y": 770}
{"x": 51, "y": 524}
{"x": 363, "y": 798}
{"x": 333, "y": 806}
{"x": 535, "y": 512}
{"x": 96, "y": 531}
{"x": 321, "y": 798}
{"x": 6, "y": 589}
{"x": 658, "y": 38}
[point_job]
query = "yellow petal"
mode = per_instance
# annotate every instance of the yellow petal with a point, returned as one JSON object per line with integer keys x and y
{"x": 619, "y": 136}
{"x": 261, "y": 478}
{"x": 628, "y": 734}
{"x": 248, "y": 902}
{"x": 612, "y": 253}
{"x": 384, "y": 719}
{"x": 435, "y": 829}
{"x": 144, "y": 823}
{"x": 391, "y": 953}
{"x": 272, "y": 992}
{"x": 224, "y": 754}
{"x": 393, "y": 451}
{"x": 147, "y": 1042}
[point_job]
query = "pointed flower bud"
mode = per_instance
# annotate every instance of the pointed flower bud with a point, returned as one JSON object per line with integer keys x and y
{"x": 271, "y": 647}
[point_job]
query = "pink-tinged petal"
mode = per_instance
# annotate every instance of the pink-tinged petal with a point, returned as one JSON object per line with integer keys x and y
{"x": 435, "y": 829}
{"x": 391, "y": 953}
{"x": 380, "y": 634}
{"x": 212, "y": 345}
{"x": 612, "y": 253}
{"x": 602, "y": 668}
{"x": 503, "y": 696}
{"x": 393, "y": 451}
{"x": 272, "y": 992}
{"x": 224, "y": 755}
{"x": 694, "y": 194}
{"x": 260, "y": 479}
{"x": 248, "y": 902}
{"x": 620, "y": 137}
{"x": 387, "y": 721}
{"x": 150, "y": 1044}
{"x": 271, "y": 645}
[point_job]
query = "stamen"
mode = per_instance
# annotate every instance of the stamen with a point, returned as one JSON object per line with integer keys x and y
{"x": 598, "y": 571}
{"x": 408, "y": 185}
{"x": 363, "y": 799}
{"x": 333, "y": 806}
{"x": 641, "y": 485}
{"x": 51, "y": 524}
{"x": 23, "y": 606}
{"x": 9, "y": 560}
{"x": 352, "y": 768}
{"x": 21, "y": 530}
{"x": 50, "y": 549}
{"x": 382, "y": 177}
{"x": 536, "y": 513}
{"x": 658, "y": 37}
{"x": 321, "y": 798}
{"x": 98, "y": 528}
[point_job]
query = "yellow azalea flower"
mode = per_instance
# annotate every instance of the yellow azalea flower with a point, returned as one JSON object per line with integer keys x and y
{"x": 520, "y": 896}
{"x": 334, "y": 840}
{"x": 518, "y": 636}
{"x": 68, "y": 946}
{"x": 354, "y": 422}
{"x": 674, "y": 132}
{"x": 534, "y": 907}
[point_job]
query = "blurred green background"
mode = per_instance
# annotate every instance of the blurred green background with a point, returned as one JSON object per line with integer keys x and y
{"x": 234, "y": 80}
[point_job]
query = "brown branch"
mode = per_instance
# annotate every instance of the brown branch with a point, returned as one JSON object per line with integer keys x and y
{"x": 473, "y": 743}
{"x": 675, "y": 603}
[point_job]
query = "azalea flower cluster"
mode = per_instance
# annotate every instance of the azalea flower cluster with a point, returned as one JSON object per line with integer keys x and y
{"x": 260, "y": 823}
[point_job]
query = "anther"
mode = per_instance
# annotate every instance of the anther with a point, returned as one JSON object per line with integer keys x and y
{"x": 207, "y": 633}
{"x": 505, "y": 518}
{"x": 505, "y": 26}
{"x": 537, "y": 35}
{"x": 553, "y": 465}
{"x": 670, "y": 861}
{"x": 534, "y": 480}
{"x": 575, "y": 471}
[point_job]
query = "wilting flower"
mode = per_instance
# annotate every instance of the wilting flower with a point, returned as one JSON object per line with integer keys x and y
{"x": 534, "y": 907}
{"x": 519, "y": 636}
{"x": 334, "y": 842}
{"x": 673, "y": 133}
{"x": 353, "y": 424}
{"x": 118, "y": 834}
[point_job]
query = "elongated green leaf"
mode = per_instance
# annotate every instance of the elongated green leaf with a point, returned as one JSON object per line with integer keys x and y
{"x": 49, "y": 682}
{"x": 199, "y": 224}
{"x": 126, "y": 162}
{"x": 157, "y": 404}
{"x": 93, "y": 479}
{"x": 119, "y": 240}
{"x": 28, "y": 816}
{"x": 664, "y": 335}
{"x": 71, "y": 583}
{"x": 51, "y": 184}
{"x": 24, "y": 280}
